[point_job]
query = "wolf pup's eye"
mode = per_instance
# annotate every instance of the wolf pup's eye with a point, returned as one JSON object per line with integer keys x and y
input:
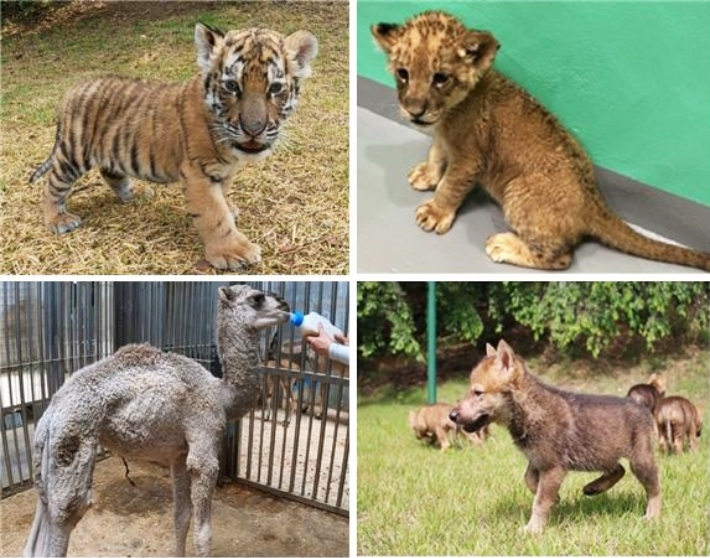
{"x": 440, "y": 78}
{"x": 402, "y": 74}
{"x": 232, "y": 86}
{"x": 477, "y": 392}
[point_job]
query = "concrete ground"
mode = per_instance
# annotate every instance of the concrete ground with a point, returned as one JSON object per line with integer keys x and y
{"x": 137, "y": 521}
{"x": 389, "y": 241}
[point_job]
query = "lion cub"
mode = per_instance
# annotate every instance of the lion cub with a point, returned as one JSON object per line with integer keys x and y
{"x": 488, "y": 130}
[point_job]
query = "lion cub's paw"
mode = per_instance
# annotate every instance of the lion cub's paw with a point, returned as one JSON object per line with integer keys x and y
{"x": 503, "y": 247}
{"x": 431, "y": 217}
{"x": 420, "y": 178}
{"x": 234, "y": 256}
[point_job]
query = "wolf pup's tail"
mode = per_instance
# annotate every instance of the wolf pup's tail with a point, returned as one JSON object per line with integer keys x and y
{"x": 669, "y": 435}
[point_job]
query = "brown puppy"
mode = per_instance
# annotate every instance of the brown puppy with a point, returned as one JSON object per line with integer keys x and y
{"x": 560, "y": 431}
{"x": 432, "y": 425}
{"x": 677, "y": 420}
{"x": 489, "y": 131}
{"x": 649, "y": 394}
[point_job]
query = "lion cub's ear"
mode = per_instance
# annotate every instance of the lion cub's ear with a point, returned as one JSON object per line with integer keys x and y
{"x": 479, "y": 48}
{"x": 386, "y": 35}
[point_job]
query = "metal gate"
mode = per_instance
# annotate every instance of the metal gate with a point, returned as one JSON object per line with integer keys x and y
{"x": 296, "y": 443}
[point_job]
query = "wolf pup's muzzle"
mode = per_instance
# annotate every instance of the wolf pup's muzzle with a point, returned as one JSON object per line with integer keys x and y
{"x": 469, "y": 425}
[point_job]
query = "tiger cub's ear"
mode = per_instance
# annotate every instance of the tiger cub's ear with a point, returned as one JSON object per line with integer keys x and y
{"x": 302, "y": 48}
{"x": 206, "y": 37}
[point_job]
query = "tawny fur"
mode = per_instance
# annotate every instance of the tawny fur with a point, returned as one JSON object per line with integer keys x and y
{"x": 195, "y": 132}
{"x": 432, "y": 425}
{"x": 560, "y": 431}
{"x": 489, "y": 131}
{"x": 650, "y": 393}
{"x": 678, "y": 420}
{"x": 144, "y": 404}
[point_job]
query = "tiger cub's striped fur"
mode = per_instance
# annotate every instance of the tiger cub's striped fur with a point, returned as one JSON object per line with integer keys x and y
{"x": 196, "y": 132}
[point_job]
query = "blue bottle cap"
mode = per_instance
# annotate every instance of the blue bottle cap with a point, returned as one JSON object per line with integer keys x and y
{"x": 297, "y": 318}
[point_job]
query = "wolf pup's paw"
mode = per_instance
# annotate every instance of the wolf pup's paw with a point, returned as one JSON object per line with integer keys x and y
{"x": 422, "y": 179}
{"x": 431, "y": 217}
{"x": 533, "y": 528}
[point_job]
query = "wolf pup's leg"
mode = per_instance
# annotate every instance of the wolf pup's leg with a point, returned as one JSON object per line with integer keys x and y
{"x": 644, "y": 468}
{"x": 605, "y": 482}
{"x": 532, "y": 478}
{"x": 546, "y": 496}
{"x": 442, "y": 438}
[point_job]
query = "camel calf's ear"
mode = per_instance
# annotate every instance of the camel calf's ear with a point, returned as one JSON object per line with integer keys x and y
{"x": 226, "y": 295}
{"x": 386, "y": 35}
{"x": 479, "y": 48}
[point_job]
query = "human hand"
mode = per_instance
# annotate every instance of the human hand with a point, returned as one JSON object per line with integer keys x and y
{"x": 320, "y": 343}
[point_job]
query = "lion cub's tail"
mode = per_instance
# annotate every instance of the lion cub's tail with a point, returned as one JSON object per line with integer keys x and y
{"x": 610, "y": 229}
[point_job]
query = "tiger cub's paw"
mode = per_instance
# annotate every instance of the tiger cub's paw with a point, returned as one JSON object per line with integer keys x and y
{"x": 431, "y": 217}
{"x": 64, "y": 223}
{"x": 234, "y": 256}
{"x": 421, "y": 179}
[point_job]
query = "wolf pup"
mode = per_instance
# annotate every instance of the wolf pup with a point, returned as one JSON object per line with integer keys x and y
{"x": 559, "y": 431}
{"x": 489, "y": 131}
{"x": 649, "y": 394}
{"x": 678, "y": 419}
{"x": 431, "y": 424}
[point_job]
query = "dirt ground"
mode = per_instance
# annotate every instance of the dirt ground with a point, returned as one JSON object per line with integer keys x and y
{"x": 137, "y": 521}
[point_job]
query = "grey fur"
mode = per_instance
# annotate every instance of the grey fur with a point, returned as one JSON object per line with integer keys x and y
{"x": 142, "y": 403}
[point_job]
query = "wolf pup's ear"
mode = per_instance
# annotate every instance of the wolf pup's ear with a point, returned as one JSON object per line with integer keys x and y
{"x": 479, "y": 48}
{"x": 386, "y": 35}
{"x": 505, "y": 355}
{"x": 206, "y": 38}
{"x": 490, "y": 351}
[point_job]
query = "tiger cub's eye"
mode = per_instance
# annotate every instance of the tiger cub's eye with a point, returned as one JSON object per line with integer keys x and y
{"x": 232, "y": 86}
{"x": 276, "y": 88}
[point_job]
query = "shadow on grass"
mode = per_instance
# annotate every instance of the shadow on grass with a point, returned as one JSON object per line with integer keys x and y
{"x": 574, "y": 508}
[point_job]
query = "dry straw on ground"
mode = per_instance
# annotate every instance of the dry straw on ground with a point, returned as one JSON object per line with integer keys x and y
{"x": 294, "y": 204}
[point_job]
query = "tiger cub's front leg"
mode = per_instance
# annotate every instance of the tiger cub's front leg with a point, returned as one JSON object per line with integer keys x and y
{"x": 225, "y": 246}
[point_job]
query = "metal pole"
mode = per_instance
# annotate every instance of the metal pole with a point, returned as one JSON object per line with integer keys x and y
{"x": 431, "y": 342}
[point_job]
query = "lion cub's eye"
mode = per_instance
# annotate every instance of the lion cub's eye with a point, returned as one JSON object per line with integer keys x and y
{"x": 276, "y": 88}
{"x": 403, "y": 74}
{"x": 232, "y": 86}
{"x": 440, "y": 78}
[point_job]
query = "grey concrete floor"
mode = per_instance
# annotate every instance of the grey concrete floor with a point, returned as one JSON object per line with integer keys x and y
{"x": 389, "y": 241}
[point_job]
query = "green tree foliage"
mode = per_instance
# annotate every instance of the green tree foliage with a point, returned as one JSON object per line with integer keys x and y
{"x": 573, "y": 317}
{"x": 384, "y": 321}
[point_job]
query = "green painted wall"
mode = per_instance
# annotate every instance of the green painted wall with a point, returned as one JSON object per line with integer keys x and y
{"x": 630, "y": 79}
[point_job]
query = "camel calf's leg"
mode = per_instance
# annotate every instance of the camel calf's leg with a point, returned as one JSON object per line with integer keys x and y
{"x": 182, "y": 502}
{"x": 203, "y": 467}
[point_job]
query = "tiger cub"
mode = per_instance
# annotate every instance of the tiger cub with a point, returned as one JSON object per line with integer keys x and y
{"x": 196, "y": 132}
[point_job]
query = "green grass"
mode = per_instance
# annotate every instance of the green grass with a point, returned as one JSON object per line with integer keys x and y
{"x": 416, "y": 500}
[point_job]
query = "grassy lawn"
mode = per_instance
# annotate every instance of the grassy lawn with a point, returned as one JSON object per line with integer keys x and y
{"x": 417, "y": 500}
{"x": 294, "y": 204}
